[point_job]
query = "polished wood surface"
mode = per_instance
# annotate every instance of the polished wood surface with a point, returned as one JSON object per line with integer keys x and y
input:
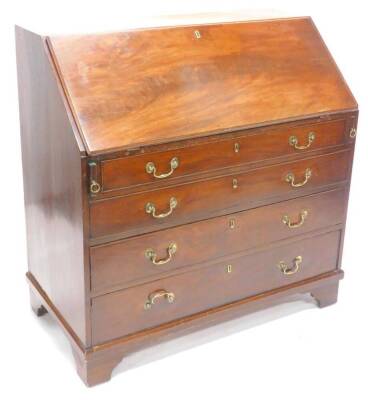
{"x": 123, "y": 263}
{"x": 95, "y": 364}
{"x": 127, "y": 216}
{"x": 123, "y": 312}
{"x": 225, "y": 100}
{"x": 148, "y": 86}
{"x": 52, "y": 175}
{"x": 248, "y": 148}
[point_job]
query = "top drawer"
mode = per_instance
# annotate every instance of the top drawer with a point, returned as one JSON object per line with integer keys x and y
{"x": 255, "y": 146}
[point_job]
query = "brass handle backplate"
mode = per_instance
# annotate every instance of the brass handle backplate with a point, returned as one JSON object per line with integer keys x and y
{"x": 290, "y": 178}
{"x": 169, "y": 296}
{"x": 293, "y": 141}
{"x": 151, "y": 168}
{"x": 94, "y": 187}
{"x": 152, "y": 256}
{"x": 151, "y": 209}
{"x": 302, "y": 217}
{"x": 290, "y": 270}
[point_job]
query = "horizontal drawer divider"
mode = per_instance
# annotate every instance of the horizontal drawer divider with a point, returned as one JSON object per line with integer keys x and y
{"x": 226, "y": 259}
{"x": 215, "y": 173}
{"x": 230, "y": 134}
{"x": 103, "y": 240}
{"x": 231, "y": 171}
{"x": 129, "y": 216}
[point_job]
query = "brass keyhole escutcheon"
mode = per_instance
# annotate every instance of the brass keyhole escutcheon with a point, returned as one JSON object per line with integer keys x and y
{"x": 232, "y": 223}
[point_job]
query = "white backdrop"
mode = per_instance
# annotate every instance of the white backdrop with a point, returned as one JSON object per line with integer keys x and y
{"x": 293, "y": 351}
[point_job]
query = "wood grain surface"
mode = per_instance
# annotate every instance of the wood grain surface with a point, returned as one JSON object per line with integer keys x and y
{"x": 125, "y": 216}
{"x": 257, "y": 146}
{"x": 53, "y": 185}
{"x": 123, "y": 263}
{"x": 121, "y": 313}
{"x": 222, "y": 98}
{"x": 148, "y": 86}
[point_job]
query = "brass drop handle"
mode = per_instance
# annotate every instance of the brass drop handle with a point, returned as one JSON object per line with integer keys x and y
{"x": 292, "y": 270}
{"x": 151, "y": 168}
{"x": 290, "y": 178}
{"x": 302, "y": 217}
{"x": 151, "y": 299}
{"x": 152, "y": 256}
{"x": 293, "y": 141}
{"x": 151, "y": 209}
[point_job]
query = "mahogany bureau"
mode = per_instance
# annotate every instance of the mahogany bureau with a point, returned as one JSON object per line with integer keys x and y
{"x": 178, "y": 177}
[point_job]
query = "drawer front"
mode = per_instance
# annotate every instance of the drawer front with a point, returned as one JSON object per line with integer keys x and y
{"x": 122, "y": 263}
{"x": 253, "y": 147}
{"x": 164, "y": 300}
{"x": 156, "y": 209}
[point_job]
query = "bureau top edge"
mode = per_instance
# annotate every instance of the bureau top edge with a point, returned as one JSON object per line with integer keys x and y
{"x": 145, "y": 87}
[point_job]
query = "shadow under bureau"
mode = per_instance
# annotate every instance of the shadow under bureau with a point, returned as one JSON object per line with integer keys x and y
{"x": 175, "y": 178}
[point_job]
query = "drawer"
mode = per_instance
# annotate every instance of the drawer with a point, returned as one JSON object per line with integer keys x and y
{"x": 141, "y": 307}
{"x": 125, "y": 262}
{"x": 135, "y": 214}
{"x": 255, "y": 146}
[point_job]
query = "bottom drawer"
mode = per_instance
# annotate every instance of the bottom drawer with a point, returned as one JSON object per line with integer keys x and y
{"x": 151, "y": 304}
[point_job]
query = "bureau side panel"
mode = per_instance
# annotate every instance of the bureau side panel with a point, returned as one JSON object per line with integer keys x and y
{"x": 352, "y": 123}
{"x": 53, "y": 177}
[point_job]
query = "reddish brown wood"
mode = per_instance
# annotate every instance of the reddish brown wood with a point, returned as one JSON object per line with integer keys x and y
{"x": 271, "y": 143}
{"x": 95, "y": 364}
{"x": 126, "y": 216}
{"x": 52, "y": 173}
{"x": 210, "y": 287}
{"x": 41, "y": 297}
{"x": 121, "y": 100}
{"x": 326, "y": 295}
{"x": 350, "y": 122}
{"x": 95, "y": 368}
{"x": 235, "y": 75}
{"x": 123, "y": 263}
